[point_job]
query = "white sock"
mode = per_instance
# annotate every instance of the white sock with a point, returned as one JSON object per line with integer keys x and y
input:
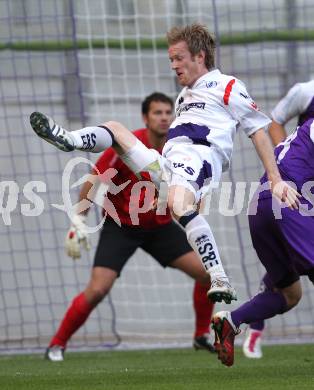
{"x": 92, "y": 139}
{"x": 202, "y": 241}
{"x": 139, "y": 158}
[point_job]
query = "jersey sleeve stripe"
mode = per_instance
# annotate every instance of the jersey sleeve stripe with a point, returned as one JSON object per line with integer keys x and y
{"x": 228, "y": 90}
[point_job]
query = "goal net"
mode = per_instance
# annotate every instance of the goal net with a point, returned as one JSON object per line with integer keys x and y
{"x": 86, "y": 61}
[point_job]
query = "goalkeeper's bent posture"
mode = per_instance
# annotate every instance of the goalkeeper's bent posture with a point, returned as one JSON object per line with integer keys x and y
{"x": 209, "y": 110}
{"x": 157, "y": 235}
{"x": 284, "y": 246}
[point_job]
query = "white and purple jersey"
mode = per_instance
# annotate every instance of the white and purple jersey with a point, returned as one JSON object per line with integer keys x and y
{"x": 211, "y": 111}
{"x": 299, "y": 101}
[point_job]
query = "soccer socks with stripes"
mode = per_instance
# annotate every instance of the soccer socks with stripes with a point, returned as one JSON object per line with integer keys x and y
{"x": 74, "y": 318}
{"x": 202, "y": 241}
{"x": 94, "y": 139}
{"x": 203, "y": 309}
{"x": 264, "y": 305}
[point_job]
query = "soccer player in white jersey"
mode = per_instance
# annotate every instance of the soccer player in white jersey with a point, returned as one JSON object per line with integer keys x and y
{"x": 209, "y": 110}
{"x": 298, "y": 102}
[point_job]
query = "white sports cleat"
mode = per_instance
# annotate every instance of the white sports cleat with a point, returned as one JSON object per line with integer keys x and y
{"x": 55, "y": 353}
{"x": 47, "y": 129}
{"x": 252, "y": 344}
{"x": 221, "y": 290}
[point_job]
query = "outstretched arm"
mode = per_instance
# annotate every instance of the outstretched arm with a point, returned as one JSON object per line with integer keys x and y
{"x": 280, "y": 189}
{"x": 88, "y": 191}
{"x": 277, "y": 133}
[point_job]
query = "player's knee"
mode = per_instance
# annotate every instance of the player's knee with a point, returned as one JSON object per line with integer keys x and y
{"x": 179, "y": 206}
{"x": 122, "y": 137}
{"x": 292, "y": 297}
{"x": 291, "y": 289}
{"x": 177, "y": 211}
{"x": 96, "y": 293}
{"x": 172, "y": 207}
{"x": 114, "y": 126}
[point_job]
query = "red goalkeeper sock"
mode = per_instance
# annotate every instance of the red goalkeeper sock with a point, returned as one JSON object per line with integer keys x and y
{"x": 74, "y": 318}
{"x": 203, "y": 310}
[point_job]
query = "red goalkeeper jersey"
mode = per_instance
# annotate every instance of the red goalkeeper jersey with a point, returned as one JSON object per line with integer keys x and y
{"x": 121, "y": 200}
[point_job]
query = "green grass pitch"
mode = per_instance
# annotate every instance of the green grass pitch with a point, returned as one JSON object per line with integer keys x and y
{"x": 283, "y": 367}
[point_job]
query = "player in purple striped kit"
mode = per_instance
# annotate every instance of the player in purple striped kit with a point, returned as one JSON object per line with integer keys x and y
{"x": 285, "y": 245}
{"x": 298, "y": 102}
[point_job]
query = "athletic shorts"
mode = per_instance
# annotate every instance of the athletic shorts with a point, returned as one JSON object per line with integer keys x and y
{"x": 195, "y": 167}
{"x": 284, "y": 246}
{"x": 117, "y": 244}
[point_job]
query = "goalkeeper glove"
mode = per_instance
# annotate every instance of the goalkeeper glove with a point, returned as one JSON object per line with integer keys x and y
{"x": 77, "y": 237}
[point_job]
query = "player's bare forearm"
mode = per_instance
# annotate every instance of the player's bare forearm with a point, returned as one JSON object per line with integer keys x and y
{"x": 88, "y": 191}
{"x": 277, "y": 133}
{"x": 280, "y": 189}
{"x": 266, "y": 154}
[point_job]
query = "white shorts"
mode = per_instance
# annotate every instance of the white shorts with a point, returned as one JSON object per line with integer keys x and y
{"x": 195, "y": 167}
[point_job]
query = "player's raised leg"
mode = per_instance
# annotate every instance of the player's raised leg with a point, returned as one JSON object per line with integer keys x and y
{"x": 92, "y": 139}
{"x": 99, "y": 138}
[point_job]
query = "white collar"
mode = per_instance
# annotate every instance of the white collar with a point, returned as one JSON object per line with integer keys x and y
{"x": 212, "y": 73}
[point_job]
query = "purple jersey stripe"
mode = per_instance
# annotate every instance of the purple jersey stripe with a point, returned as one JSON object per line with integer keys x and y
{"x": 205, "y": 173}
{"x": 196, "y": 133}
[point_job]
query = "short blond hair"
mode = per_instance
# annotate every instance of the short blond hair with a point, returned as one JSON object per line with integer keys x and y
{"x": 197, "y": 38}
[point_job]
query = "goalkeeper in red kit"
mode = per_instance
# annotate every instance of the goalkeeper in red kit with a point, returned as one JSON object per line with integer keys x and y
{"x": 156, "y": 234}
